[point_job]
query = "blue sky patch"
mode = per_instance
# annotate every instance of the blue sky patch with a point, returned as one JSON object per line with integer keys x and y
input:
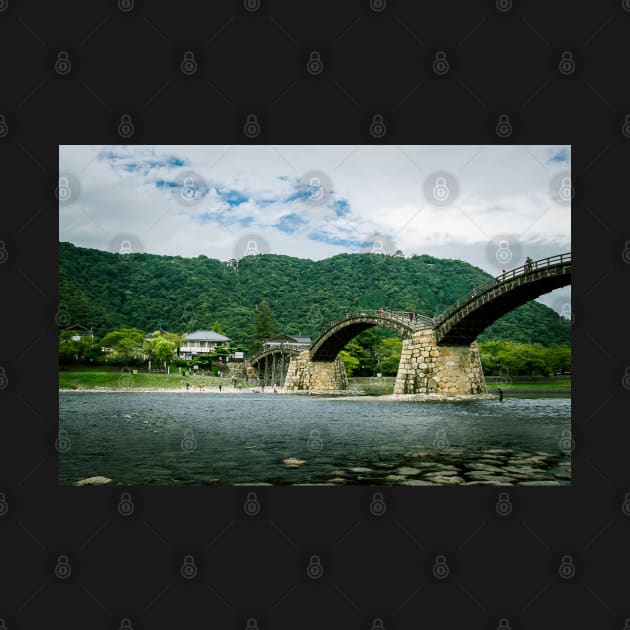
{"x": 322, "y": 237}
{"x": 289, "y": 223}
{"x": 561, "y": 156}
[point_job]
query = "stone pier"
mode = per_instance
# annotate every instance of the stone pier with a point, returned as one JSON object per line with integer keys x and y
{"x": 426, "y": 368}
{"x": 315, "y": 376}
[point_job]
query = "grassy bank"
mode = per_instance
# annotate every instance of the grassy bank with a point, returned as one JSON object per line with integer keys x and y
{"x": 107, "y": 379}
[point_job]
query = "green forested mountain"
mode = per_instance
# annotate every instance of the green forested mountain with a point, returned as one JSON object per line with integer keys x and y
{"x": 108, "y": 291}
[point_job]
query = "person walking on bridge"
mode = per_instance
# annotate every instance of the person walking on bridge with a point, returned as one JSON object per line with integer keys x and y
{"x": 410, "y": 316}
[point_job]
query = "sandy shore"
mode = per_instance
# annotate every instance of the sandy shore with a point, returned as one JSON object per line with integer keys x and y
{"x": 349, "y": 396}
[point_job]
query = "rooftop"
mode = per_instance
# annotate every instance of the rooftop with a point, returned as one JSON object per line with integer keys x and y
{"x": 290, "y": 338}
{"x": 205, "y": 335}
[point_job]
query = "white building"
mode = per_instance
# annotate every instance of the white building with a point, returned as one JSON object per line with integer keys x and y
{"x": 201, "y": 342}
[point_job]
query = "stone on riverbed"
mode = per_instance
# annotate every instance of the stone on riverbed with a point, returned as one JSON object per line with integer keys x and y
{"x": 547, "y": 482}
{"x": 488, "y": 467}
{"x": 293, "y": 462}
{"x": 486, "y": 483}
{"x": 361, "y": 469}
{"x": 338, "y": 473}
{"x": 444, "y": 480}
{"x": 395, "y": 478}
{"x": 407, "y": 470}
{"x": 442, "y": 473}
{"x": 482, "y": 475}
{"x": 417, "y": 482}
{"x": 93, "y": 481}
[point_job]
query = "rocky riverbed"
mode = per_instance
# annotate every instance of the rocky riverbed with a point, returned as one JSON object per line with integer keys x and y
{"x": 457, "y": 467}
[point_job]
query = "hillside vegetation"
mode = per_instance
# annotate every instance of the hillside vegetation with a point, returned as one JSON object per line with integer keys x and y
{"x": 109, "y": 291}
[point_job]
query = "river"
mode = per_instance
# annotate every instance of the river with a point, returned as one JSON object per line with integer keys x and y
{"x": 224, "y": 439}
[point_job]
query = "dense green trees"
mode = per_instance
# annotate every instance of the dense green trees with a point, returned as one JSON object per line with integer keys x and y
{"x": 126, "y": 344}
{"x": 507, "y": 357}
{"x": 264, "y": 326}
{"x": 111, "y": 291}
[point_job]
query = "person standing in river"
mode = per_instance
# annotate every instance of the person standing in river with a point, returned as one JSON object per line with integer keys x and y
{"x": 500, "y": 391}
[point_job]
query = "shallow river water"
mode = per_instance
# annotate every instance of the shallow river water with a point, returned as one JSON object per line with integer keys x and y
{"x": 223, "y": 439}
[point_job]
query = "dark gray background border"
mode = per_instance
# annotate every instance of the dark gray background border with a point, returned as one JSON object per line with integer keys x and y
{"x": 374, "y": 61}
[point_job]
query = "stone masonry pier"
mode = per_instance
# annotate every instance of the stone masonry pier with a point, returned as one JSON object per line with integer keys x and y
{"x": 426, "y": 368}
{"x": 315, "y": 376}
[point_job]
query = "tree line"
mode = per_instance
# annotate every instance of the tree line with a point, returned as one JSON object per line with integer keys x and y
{"x": 107, "y": 291}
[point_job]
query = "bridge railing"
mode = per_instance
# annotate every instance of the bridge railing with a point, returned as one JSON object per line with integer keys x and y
{"x": 416, "y": 319}
{"x": 497, "y": 281}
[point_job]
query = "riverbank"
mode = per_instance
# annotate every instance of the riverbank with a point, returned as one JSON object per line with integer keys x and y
{"x": 115, "y": 381}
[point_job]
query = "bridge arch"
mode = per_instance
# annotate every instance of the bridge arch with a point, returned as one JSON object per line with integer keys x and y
{"x": 271, "y": 365}
{"x": 464, "y": 320}
{"x": 333, "y": 339}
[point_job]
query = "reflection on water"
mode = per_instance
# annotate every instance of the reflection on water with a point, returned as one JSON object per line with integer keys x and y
{"x": 177, "y": 438}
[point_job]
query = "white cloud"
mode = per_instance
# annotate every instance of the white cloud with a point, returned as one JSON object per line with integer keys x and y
{"x": 502, "y": 190}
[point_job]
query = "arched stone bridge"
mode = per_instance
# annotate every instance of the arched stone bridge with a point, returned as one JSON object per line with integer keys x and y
{"x": 271, "y": 365}
{"x": 439, "y": 355}
{"x": 337, "y": 334}
{"x": 466, "y": 319}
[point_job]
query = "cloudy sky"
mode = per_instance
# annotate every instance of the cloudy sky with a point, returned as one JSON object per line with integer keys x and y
{"x": 490, "y": 206}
